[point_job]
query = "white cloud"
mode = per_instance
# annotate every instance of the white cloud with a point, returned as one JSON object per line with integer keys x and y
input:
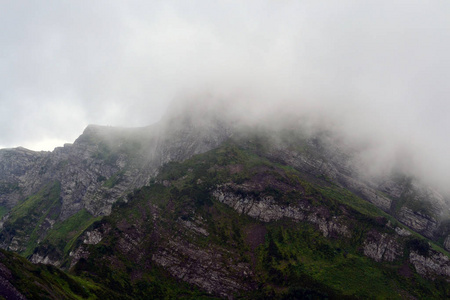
{"x": 378, "y": 69}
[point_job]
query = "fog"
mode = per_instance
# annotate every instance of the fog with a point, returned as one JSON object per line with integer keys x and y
{"x": 377, "y": 72}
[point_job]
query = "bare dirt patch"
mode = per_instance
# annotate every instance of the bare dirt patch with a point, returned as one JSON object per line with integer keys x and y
{"x": 254, "y": 236}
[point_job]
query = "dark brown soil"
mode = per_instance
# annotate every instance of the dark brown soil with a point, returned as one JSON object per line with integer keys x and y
{"x": 255, "y": 235}
{"x": 405, "y": 271}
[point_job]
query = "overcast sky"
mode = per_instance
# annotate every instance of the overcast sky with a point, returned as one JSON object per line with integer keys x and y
{"x": 380, "y": 67}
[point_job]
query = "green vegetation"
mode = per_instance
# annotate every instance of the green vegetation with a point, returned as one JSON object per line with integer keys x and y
{"x": 113, "y": 180}
{"x": 288, "y": 259}
{"x": 64, "y": 234}
{"x": 299, "y": 256}
{"x": 293, "y": 260}
{"x": 3, "y": 211}
{"x": 48, "y": 282}
{"x": 28, "y": 217}
{"x": 42, "y": 201}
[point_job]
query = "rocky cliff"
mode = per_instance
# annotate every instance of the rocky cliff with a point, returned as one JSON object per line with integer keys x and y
{"x": 102, "y": 166}
{"x": 56, "y": 206}
{"x": 235, "y": 224}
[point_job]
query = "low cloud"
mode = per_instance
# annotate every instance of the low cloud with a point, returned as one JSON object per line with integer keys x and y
{"x": 375, "y": 70}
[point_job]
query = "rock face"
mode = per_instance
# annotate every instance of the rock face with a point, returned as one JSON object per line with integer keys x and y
{"x": 14, "y": 166}
{"x": 266, "y": 209}
{"x": 93, "y": 237}
{"x": 267, "y": 218}
{"x": 211, "y": 269}
{"x": 381, "y": 247}
{"x": 214, "y": 269}
{"x": 419, "y": 222}
{"x": 378, "y": 246}
{"x": 432, "y": 265}
{"x": 38, "y": 259}
{"x": 103, "y": 165}
{"x": 7, "y": 289}
{"x": 410, "y": 201}
{"x": 447, "y": 243}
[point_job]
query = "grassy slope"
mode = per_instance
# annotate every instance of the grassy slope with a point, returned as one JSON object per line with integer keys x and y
{"x": 3, "y": 211}
{"x": 290, "y": 260}
{"x": 294, "y": 260}
{"x": 47, "y": 282}
{"x": 26, "y": 218}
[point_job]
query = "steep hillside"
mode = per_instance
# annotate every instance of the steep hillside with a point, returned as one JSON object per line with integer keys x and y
{"x": 234, "y": 223}
{"x": 20, "y": 279}
{"x": 226, "y": 208}
{"x": 103, "y": 165}
{"x": 14, "y": 165}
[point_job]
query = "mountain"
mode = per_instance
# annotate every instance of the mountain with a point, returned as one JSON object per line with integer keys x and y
{"x": 103, "y": 165}
{"x": 20, "y": 279}
{"x": 203, "y": 205}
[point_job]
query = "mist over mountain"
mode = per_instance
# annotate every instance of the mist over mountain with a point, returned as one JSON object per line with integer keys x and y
{"x": 225, "y": 198}
{"x": 381, "y": 148}
{"x": 375, "y": 72}
{"x": 235, "y": 149}
{"x": 375, "y": 63}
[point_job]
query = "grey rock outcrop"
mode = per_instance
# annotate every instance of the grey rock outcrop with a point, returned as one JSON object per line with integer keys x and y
{"x": 36, "y": 258}
{"x": 266, "y": 209}
{"x": 211, "y": 269}
{"x": 93, "y": 237}
{"x": 381, "y": 247}
{"x": 103, "y": 165}
{"x": 447, "y": 243}
{"x": 325, "y": 160}
{"x": 434, "y": 264}
{"x": 402, "y": 232}
{"x": 195, "y": 226}
{"x": 14, "y": 166}
{"x": 413, "y": 203}
{"x": 77, "y": 254}
{"x": 418, "y": 222}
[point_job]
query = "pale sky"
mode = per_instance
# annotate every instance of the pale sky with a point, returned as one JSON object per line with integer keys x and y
{"x": 381, "y": 66}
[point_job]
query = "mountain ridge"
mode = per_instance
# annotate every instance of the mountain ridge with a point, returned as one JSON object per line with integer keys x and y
{"x": 198, "y": 218}
{"x": 55, "y": 204}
